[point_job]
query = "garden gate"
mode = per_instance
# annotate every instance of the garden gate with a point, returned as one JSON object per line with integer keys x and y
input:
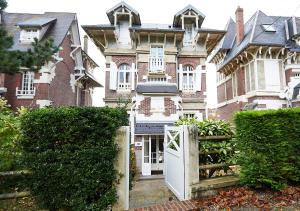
{"x": 174, "y": 160}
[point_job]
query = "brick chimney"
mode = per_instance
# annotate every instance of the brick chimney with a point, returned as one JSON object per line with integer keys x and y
{"x": 239, "y": 15}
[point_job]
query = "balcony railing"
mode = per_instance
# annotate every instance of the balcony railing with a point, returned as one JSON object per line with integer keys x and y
{"x": 156, "y": 64}
{"x": 25, "y": 92}
{"x": 188, "y": 87}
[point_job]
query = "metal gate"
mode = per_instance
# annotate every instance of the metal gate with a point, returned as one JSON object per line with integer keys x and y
{"x": 174, "y": 160}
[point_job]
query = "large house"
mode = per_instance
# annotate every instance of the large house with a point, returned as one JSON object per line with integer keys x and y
{"x": 258, "y": 64}
{"x": 66, "y": 80}
{"x": 159, "y": 69}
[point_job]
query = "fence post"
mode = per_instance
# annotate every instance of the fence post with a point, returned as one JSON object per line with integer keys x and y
{"x": 191, "y": 158}
{"x": 122, "y": 166}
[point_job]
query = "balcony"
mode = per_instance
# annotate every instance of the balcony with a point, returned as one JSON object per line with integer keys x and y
{"x": 25, "y": 94}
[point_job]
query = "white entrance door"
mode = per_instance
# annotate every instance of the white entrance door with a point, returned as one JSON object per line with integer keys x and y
{"x": 157, "y": 153}
{"x": 146, "y": 156}
{"x": 174, "y": 161}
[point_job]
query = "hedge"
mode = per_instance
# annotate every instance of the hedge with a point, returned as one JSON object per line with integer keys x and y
{"x": 71, "y": 153}
{"x": 269, "y": 145}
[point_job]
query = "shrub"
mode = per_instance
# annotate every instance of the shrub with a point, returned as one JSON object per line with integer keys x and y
{"x": 269, "y": 145}
{"x": 208, "y": 127}
{"x": 71, "y": 153}
{"x": 10, "y": 151}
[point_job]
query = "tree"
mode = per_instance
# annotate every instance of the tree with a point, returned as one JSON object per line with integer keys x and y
{"x": 34, "y": 58}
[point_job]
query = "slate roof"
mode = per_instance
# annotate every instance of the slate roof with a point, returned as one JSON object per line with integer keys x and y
{"x": 254, "y": 35}
{"x": 57, "y": 31}
{"x": 36, "y": 22}
{"x": 157, "y": 27}
{"x": 150, "y": 128}
{"x": 156, "y": 88}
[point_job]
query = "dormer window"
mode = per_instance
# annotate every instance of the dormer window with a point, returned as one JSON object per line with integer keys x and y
{"x": 268, "y": 28}
{"x": 28, "y": 35}
{"x": 188, "y": 35}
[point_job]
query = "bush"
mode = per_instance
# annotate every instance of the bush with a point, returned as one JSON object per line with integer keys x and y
{"x": 10, "y": 151}
{"x": 209, "y": 127}
{"x": 269, "y": 145}
{"x": 71, "y": 153}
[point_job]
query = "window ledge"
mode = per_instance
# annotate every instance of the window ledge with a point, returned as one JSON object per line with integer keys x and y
{"x": 25, "y": 96}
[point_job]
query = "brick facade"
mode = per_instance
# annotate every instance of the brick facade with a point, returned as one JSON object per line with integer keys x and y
{"x": 145, "y": 106}
{"x": 170, "y": 107}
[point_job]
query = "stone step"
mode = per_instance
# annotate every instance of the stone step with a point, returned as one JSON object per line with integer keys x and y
{"x": 209, "y": 187}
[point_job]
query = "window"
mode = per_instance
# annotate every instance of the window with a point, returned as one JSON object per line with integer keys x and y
{"x": 188, "y": 78}
{"x": 27, "y": 84}
{"x": 189, "y": 115}
{"x": 250, "y": 77}
{"x": 234, "y": 84}
{"x": 156, "y": 62}
{"x": 28, "y": 35}
{"x": 268, "y": 28}
{"x": 188, "y": 35}
{"x": 124, "y": 77}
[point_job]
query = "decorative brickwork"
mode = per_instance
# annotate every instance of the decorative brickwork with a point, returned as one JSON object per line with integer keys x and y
{"x": 170, "y": 107}
{"x": 145, "y": 106}
{"x": 194, "y": 62}
{"x": 123, "y": 60}
{"x": 171, "y": 71}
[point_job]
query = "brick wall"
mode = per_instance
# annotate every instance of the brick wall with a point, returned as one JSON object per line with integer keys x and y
{"x": 221, "y": 93}
{"x": 145, "y": 106}
{"x": 229, "y": 94}
{"x": 170, "y": 107}
{"x": 226, "y": 112}
{"x": 288, "y": 75}
{"x": 241, "y": 81}
{"x": 171, "y": 71}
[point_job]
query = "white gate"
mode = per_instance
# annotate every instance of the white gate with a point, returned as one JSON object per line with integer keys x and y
{"x": 174, "y": 160}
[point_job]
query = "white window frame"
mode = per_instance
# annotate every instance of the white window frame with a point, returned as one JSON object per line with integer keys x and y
{"x": 156, "y": 61}
{"x": 188, "y": 35}
{"x": 28, "y": 35}
{"x": 188, "y": 70}
{"x": 124, "y": 69}
{"x": 252, "y": 87}
{"x": 27, "y": 86}
{"x": 234, "y": 84}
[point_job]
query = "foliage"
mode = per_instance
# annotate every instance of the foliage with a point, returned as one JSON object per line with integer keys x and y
{"x": 242, "y": 198}
{"x": 3, "y": 5}
{"x": 71, "y": 152}
{"x": 10, "y": 151}
{"x": 269, "y": 145}
{"x": 133, "y": 167}
{"x": 34, "y": 58}
{"x": 208, "y": 127}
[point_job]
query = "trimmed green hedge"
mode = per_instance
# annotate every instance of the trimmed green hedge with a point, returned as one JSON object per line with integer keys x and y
{"x": 71, "y": 153}
{"x": 269, "y": 145}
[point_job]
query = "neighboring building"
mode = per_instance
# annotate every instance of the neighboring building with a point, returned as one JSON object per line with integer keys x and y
{"x": 159, "y": 68}
{"x": 258, "y": 63}
{"x": 66, "y": 80}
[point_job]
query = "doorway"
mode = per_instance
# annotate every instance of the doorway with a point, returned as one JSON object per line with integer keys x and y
{"x": 153, "y": 155}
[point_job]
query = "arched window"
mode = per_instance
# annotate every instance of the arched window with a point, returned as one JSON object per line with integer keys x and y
{"x": 124, "y": 77}
{"x": 188, "y": 78}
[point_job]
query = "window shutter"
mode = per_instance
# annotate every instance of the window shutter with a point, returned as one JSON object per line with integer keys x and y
{"x": 198, "y": 78}
{"x": 180, "y": 74}
{"x": 133, "y": 76}
{"x": 113, "y": 77}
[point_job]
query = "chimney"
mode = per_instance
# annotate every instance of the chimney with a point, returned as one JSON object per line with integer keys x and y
{"x": 239, "y": 15}
{"x": 85, "y": 43}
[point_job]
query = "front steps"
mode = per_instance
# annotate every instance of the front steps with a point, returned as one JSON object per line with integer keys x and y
{"x": 210, "y": 187}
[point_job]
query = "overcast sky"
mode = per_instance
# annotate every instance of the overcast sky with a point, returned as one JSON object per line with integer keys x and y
{"x": 156, "y": 11}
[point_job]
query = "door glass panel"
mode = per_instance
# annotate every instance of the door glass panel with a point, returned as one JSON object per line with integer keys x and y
{"x": 146, "y": 150}
{"x": 153, "y": 150}
{"x": 161, "y": 150}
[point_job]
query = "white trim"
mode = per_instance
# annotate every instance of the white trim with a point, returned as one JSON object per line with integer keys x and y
{"x": 43, "y": 103}
{"x": 292, "y": 66}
